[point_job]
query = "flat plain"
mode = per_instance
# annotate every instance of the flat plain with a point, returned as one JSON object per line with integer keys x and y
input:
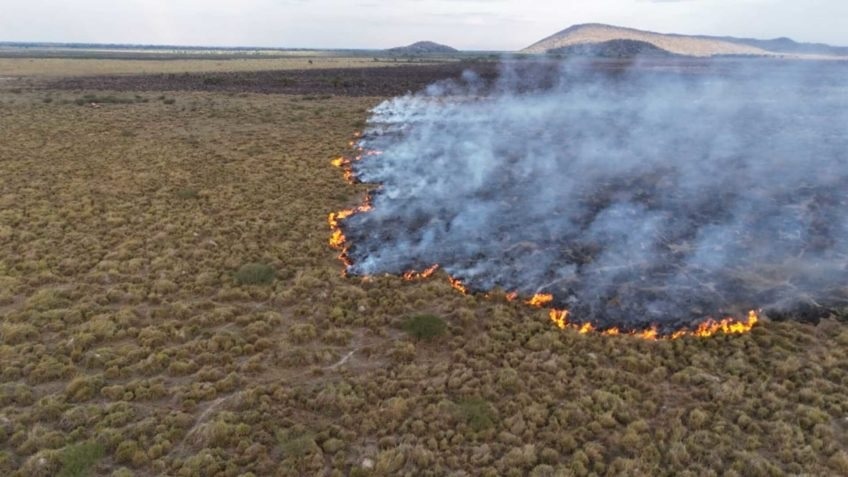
{"x": 67, "y": 67}
{"x": 169, "y": 305}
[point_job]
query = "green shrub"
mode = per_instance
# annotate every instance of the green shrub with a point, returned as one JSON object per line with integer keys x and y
{"x": 78, "y": 460}
{"x": 93, "y": 98}
{"x": 255, "y": 274}
{"x": 187, "y": 193}
{"x": 477, "y": 413}
{"x": 425, "y": 327}
{"x": 6, "y": 462}
{"x": 296, "y": 442}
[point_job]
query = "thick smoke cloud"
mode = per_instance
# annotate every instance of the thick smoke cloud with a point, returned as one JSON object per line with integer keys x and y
{"x": 635, "y": 196}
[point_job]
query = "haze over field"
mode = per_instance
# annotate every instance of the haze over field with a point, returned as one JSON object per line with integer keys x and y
{"x": 635, "y": 200}
{"x": 464, "y": 24}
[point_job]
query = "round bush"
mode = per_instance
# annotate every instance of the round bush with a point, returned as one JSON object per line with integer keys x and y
{"x": 425, "y": 327}
{"x": 255, "y": 274}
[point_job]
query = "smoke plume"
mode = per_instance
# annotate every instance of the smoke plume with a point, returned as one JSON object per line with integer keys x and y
{"x": 635, "y": 196}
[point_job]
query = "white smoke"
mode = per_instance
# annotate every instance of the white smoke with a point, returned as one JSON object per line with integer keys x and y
{"x": 635, "y": 197}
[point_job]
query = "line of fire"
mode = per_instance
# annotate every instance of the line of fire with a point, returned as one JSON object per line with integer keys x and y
{"x": 561, "y": 318}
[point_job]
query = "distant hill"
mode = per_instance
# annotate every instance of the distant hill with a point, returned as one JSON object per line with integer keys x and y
{"x": 789, "y": 46}
{"x": 423, "y": 47}
{"x": 687, "y": 45}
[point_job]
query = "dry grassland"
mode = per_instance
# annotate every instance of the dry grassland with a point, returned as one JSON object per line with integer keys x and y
{"x": 142, "y": 332}
{"x": 64, "y": 67}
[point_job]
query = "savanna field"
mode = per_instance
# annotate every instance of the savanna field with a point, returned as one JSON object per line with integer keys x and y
{"x": 169, "y": 305}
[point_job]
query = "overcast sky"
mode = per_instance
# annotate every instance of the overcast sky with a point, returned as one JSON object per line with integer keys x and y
{"x": 465, "y": 24}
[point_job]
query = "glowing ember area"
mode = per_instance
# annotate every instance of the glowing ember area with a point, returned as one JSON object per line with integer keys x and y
{"x": 634, "y": 205}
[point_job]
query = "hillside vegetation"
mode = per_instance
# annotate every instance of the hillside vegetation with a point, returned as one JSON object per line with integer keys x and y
{"x": 612, "y": 49}
{"x": 423, "y": 47}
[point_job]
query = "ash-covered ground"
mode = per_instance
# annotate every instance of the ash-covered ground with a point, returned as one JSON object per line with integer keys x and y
{"x": 637, "y": 196}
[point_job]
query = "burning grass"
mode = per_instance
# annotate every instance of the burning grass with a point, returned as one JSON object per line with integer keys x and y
{"x": 626, "y": 221}
{"x": 560, "y": 317}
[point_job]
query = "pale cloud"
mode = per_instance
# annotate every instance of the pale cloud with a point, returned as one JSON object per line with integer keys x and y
{"x": 467, "y": 24}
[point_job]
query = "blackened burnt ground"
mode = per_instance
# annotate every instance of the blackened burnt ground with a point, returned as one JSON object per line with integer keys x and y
{"x": 386, "y": 81}
{"x": 371, "y": 81}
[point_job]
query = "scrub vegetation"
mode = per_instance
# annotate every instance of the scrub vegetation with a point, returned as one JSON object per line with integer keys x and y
{"x": 169, "y": 306}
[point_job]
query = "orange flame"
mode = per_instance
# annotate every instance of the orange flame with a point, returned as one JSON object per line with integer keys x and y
{"x": 349, "y": 176}
{"x": 540, "y": 299}
{"x": 337, "y": 240}
{"x": 511, "y": 296}
{"x": 649, "y": 334}
{"x": 727, "y": 326}
{"x": 559, "y": 317}
{"x": 458, "y": 285}
{"x": 413, "y": 275}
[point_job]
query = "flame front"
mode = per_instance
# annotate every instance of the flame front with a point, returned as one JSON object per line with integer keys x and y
{"x": 413, "y": 275}
{"x": 727, "y": 326}
{"x": 710, "y": 327}
{"x": 338, "y": 240}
